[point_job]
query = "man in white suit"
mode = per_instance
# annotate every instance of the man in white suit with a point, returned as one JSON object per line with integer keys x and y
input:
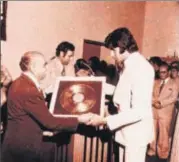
{"x": 133, "y": 125}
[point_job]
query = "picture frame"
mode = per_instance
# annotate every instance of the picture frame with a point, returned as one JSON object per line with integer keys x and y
{"x": 73, "y": 96}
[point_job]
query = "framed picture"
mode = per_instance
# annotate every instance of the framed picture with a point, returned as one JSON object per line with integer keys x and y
{"x": 73, "y": 96}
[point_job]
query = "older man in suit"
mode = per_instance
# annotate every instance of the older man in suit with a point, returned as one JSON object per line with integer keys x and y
{"x": 133, "y": 124}
{"x": 164, "y": 97}
{"x": 28, "y": 116}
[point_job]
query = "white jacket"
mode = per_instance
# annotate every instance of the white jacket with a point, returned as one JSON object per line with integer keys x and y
{"x": 134, "y": 122}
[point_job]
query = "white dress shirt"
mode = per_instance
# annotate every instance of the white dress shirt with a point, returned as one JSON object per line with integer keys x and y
{"x": 133, "y": 95}
{"x": 54, "y": 70}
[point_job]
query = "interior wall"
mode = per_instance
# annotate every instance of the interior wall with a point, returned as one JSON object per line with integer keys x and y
{"x": 161, "y": 28}
{"x": 35, "y": 25}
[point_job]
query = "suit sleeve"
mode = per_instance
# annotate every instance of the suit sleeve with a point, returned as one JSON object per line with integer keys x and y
{"x": 172, "y": 98}
{"x": 35, "y": 106}
{"x": 141, "y": 105}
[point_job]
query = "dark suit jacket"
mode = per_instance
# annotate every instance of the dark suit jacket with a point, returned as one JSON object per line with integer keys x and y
{"x": 28, "y": 117}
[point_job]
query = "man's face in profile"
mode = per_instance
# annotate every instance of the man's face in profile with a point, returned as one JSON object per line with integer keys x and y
{"x": 119, "y": 58}
{"x": 39, "y": 67}
{"x": 66, "y": 58}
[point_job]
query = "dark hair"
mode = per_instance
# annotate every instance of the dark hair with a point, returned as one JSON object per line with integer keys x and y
{"x": 122, "y": 38}
{"x": 164, "y": 64}
{"x": 173, "y": 64}
{"x": 103, "y": 66}
{"x": 82, "y": 64}
{"x": 111, "y": 71}
{"x": 174, "y": 67}
{"x": 94, "y": 63}
{"x": 156, "y": 60}
{"x": 64, "y": 47}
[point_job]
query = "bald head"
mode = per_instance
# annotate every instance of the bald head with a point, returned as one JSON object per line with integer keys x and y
{"x": 28, "y": 58}
{"x": 34, "y": 62}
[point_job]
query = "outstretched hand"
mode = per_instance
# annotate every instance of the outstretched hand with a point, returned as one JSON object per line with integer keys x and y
{"x": 97, "y": 120}
{"x": 85, "y": 118}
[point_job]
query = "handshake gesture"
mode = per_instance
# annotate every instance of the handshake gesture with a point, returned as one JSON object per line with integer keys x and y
{"x": 88, "y": 119}
{"x": 91, "y": 119}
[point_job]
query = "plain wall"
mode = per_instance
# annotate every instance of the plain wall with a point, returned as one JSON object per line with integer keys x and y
{"x": 161, "y": 29}
{"x": 42, "y": 25}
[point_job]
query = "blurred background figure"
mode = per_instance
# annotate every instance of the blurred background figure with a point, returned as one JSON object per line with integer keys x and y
{"x": 112, "y": 74}
{"x": 164, "y": 97}
{"x": 6, "y": 81}
{"x": 174, "y": 74}
{"x": 174, "y": 157}
{"x": 156, "y": 62}
{"x": 95, "y": 64}
{"x": 175, "y": 64}
{"x": 82, "y": 68}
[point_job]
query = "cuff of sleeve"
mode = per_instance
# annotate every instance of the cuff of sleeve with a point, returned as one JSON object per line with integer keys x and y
{"x": 110, "y": 122}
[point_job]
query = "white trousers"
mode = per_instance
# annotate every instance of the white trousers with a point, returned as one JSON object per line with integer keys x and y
{"x": 132, "y": 153}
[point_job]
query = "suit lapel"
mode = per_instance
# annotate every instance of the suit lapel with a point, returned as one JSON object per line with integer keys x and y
{"x": 157, "y": 88}
{"x": 166, "y": 87}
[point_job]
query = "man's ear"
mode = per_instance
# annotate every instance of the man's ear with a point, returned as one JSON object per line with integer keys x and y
{"x": 32, "y": 66}
{"x": 62, "y": 54}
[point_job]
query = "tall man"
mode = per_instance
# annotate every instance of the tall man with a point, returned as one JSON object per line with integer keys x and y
{"x": 133, "y": 124}
{"x": 164, "y": 97}
{"x": 28, "y": 116}
{"x": 57, "y": 66}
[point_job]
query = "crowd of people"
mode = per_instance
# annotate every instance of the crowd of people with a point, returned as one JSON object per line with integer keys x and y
{"x": 146, "y": 93}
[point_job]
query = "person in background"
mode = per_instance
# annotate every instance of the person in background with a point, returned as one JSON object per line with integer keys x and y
{"x": 94, "y": 63}
{"x": 82, "y": 68}
{"x": 28, "y": 116}
{"x": 175, "y": 74}
{"x": 175, "y": 144}
{"x": 156, "y": 62}
{"x": 57, "y": 66}
{"x": 112, "y": 74}
{"x": 174, "y": 157}
{"x": 164, "y": 97}
{"x": 175, "y": 64}
{"x": 6, "y": 80}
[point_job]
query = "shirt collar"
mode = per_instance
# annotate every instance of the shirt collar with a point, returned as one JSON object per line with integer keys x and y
{"x": 130, "y": 58}
{"x": 32, "y": 77}
{"x": 166, "y": 80}
{"x": 58, "y": 62}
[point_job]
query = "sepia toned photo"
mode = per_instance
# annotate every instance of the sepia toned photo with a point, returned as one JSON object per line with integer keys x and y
{"x": 73, "y": 96}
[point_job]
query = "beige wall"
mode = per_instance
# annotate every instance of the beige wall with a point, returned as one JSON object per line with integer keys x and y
{"x": 42, "y": 25}
{"x": 161, "y": 28}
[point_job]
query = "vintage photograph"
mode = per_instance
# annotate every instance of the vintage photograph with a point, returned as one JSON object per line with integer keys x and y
{"x": 78, "y": 95}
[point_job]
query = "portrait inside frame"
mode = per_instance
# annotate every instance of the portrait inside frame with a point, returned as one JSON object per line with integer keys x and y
{"x": 73, "y": 96}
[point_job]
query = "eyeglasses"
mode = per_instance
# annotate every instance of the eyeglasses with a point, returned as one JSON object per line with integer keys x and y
{"x": 163, "y": 72}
